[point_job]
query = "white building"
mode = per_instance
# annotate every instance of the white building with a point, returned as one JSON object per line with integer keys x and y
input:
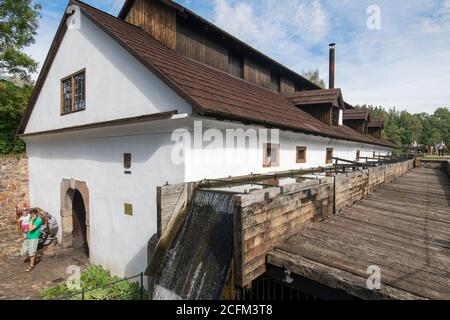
{"x": 100, "y": 125}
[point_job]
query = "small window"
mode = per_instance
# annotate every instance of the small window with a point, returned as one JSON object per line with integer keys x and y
{"x": 127, "y": 162}
{"x": 358, "y": 155}
{"x": 329, "y": 155}
{"x": 301, "y": 154}
{"x": 73, "y": 93}
{"x": 271, "y": 155}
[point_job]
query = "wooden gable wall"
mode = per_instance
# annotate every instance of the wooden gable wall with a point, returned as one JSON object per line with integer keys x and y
{"x": 192, "y": 39}
{"x": 196, "y": 45}
{"x": 156, "y": 19}
{"x": 321, "y": 112}
{"x": 375, "y": 132}
{"x": 358, "y": 125}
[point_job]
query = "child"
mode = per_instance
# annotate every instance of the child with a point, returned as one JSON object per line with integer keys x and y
{"x": 25, "y": 221}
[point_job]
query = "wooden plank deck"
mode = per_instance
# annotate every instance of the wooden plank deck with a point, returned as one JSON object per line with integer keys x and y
{"x": 403, "y": 228}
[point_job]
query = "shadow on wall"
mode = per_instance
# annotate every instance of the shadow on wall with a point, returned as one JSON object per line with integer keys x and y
{"x": 134, "y": 266}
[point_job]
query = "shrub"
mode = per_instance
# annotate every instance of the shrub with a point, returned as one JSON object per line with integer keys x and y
{"x": 95, "y": 276}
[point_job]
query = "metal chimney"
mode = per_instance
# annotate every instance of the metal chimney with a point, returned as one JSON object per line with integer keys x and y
{"x": 332, "y": 64}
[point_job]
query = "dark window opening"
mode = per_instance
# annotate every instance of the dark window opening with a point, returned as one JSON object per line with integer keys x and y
{"x": 271, "y": 155}
{"x": 127, "y": 162}
{"x": 301, "y": 154}
{"x": 329, "y": 158}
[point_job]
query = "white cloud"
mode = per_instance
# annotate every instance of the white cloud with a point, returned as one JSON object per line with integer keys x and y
{"x": 440, "y": 22}
{"x": 311, "y": 21}
{"x": 395, "y": 66}
{"x": 405, "y": 64}
{"x": 238, "y": 20}
{"x": 262, "y": 22}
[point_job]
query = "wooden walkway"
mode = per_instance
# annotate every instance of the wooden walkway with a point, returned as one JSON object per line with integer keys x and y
{"x": 403, "y": 228}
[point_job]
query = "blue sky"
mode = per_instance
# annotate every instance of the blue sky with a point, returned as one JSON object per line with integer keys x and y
{"x": 403, "y": 63}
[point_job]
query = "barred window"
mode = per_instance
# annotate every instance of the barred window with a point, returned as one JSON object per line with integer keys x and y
{"x": 67, "y": 96}
{"x": 73, "y": 93}
{"x": 80, "y": 100}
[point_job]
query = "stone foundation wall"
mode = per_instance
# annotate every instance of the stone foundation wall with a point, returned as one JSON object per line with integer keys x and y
{"x": 13, "y": 184}
{"x": 270, "y": 216}
{"x": 351, "y": 187}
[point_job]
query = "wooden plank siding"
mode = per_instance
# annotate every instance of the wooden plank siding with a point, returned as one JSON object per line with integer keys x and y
{"x": 194, "y": 44}
{"x": 191, "y": 38}
{"x": 287, "y": 86}
{"x": 256, "y": 73}
{"x": 156, "y": 19}
{"x": 321, "y": 112}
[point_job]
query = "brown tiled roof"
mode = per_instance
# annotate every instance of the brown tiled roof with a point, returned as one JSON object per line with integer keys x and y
{"x": 324, "y": 96}
{"x": 376, "y": 123}
{"x": 211, "y": 92}
{"x": 357, "y": 114}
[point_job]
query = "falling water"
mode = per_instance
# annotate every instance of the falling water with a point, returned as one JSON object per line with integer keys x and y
{"x": 197, "y": 264}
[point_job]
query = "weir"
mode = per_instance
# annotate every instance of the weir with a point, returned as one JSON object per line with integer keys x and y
{"x": 197, "y": 263}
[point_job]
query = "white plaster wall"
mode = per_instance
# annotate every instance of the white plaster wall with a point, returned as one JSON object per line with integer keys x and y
{"x": 117, "y": 85}
{"x": 213, "y": 162}
{"x": 95, "y": 156}
{"x": 118, "y": 242}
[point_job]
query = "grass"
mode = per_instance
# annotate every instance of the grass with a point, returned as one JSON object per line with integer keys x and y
{"x": 428, "y": 157}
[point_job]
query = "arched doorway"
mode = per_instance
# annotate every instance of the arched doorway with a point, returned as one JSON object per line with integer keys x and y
{"x": 75, "y": 217}
{"x": 79, "y": 232}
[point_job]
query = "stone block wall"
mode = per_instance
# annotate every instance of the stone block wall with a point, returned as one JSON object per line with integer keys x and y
{"x": 351, "y": 187}
{"x": 13, "y": 184}
{"x": 267, "y": 217}
{"x": 377, "y": 177}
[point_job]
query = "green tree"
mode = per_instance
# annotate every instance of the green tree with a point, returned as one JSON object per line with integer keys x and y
{"x": 404, "y": 127}
{"x": 314, "y": 77}
{"x": 19, "y": 20}
{"x": 442, "y": 122}
{"x": 13, "y": 100}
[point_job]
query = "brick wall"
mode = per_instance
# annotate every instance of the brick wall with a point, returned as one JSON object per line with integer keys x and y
{"x": 13, "y": 184}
